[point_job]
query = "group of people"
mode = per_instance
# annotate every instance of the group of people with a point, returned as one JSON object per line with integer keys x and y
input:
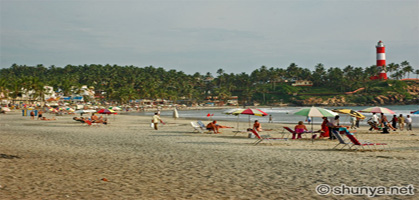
{"x": 40, "y": 117}
{"x": 32, "y": 114}
{"x": 382, "y": 123}
{"x": 329, "y": 126}
{"x": 93, "y": 119}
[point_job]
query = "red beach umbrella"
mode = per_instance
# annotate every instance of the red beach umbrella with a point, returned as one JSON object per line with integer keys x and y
{"x": 250, "y": 111}
{"x": 106, "y": 111}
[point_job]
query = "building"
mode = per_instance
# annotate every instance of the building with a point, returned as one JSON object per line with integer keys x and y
{"x": 302, "y": 83}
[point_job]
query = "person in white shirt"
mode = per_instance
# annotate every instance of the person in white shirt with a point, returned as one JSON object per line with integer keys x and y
{"x": 374, "y": 118}
{"x": 335, "y": 122}
{"x": 408, "y": 123}
{"x": 353, "y": 122}
{"x": 374, "y": 123}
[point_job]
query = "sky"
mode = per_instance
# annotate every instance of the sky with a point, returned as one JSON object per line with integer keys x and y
{"x": 204, "y": 36}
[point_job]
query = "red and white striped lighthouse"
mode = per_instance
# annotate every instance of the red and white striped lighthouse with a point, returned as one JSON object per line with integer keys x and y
{"x": 381, "y": 60}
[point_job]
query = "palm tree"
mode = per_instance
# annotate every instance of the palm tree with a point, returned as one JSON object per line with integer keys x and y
{"x": 319, "y": 74}
{"x": 398, "y": 75}
{"x": 4, "y": 87}
{"x": 406, "y": 68}
{"x": 392, "y": 67}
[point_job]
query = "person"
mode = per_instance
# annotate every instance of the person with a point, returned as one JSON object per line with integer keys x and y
{"x": 93, "y": 117}
{"x": 408, "y": 123}
{"x": 334, "y": 126}
{"x": 384, "y": 123}
{"x": 212, "y": 126}
{"x": 299, "y": 129}
{"x": 353, "y": 122}
{"x": 401, "y": 122}
{"x": 357, "y": 121}
{"x": 308, "y": 120}
{"x": 101, "y": 120}
{"x": 324, "y": 128}
{"x": 374, "y": 121}
{"x": 32, "y": 115}
{"x": 156, "y": 119}
{"x": 45, "y": 119}
{"x": 270, "y": 119}
{"x": 257, "y": 126}
{"x": 394, "y": 121}
{"x": 79, "y": 119}
{"x": 40, "y": 114}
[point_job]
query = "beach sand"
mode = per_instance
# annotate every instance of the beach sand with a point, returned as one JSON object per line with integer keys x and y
{"x": 127, "y": 159}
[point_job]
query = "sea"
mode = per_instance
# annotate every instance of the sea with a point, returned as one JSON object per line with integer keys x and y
{"x": 281, "y": 114}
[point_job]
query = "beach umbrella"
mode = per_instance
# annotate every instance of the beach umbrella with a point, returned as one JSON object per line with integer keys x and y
{"x": 84, "y": 111}
{"x": 250, "y": 111}
{"x": 5, "y": 109}
{"x": 106, "y": 111}
{"x": 233, "y": 110}
{"x": 175, "y": 114}
{"x": 350, "y": 112}
{"x": 377, "y": 109}
{"x": 115, "y": 108}
{"x": 315, "y": 112}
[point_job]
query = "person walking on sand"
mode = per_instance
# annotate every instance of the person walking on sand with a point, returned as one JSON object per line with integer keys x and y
{"x": 270, "y": 119}
{"x": 401, "y": 122}
{"x": 408, "y": 123}
{"x": 353, "y": 122}
{"x": 394, "y": 121}
{"x": 156, "y": 119}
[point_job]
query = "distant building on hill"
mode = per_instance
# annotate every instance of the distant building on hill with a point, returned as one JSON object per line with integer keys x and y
{"x": 302, "y": 83}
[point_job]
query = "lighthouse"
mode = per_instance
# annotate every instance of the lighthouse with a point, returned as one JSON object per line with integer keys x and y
{"x": 381, "y": 61}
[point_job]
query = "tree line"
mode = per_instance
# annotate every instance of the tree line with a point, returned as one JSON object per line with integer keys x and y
{"x": 124, "y": 83}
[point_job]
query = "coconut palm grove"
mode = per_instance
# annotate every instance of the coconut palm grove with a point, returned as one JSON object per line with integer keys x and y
{"x": 265, "y": 86}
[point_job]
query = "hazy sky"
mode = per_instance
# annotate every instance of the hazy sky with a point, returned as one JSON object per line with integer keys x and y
{"x": 203, "y": 36}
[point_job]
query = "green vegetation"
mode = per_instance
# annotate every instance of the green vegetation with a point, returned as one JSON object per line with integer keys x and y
{"x": 264, "y": 85}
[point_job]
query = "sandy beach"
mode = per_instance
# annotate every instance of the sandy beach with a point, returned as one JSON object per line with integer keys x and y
{"x": 127, "y": 159}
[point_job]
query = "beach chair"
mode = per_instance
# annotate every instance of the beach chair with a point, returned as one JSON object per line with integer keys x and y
{"x": 261, "y": 138}
{"x": 356, "y": 143}
{"x": 341, "y": 140}
{"x": 202, "y": 125}
{"x": 290, "y": 131}
{"x": 196, "y": 127}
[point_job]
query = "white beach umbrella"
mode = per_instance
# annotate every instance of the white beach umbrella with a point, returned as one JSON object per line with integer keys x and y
{"x": 5, "y": 109}
{"x": 175, "y": 114}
